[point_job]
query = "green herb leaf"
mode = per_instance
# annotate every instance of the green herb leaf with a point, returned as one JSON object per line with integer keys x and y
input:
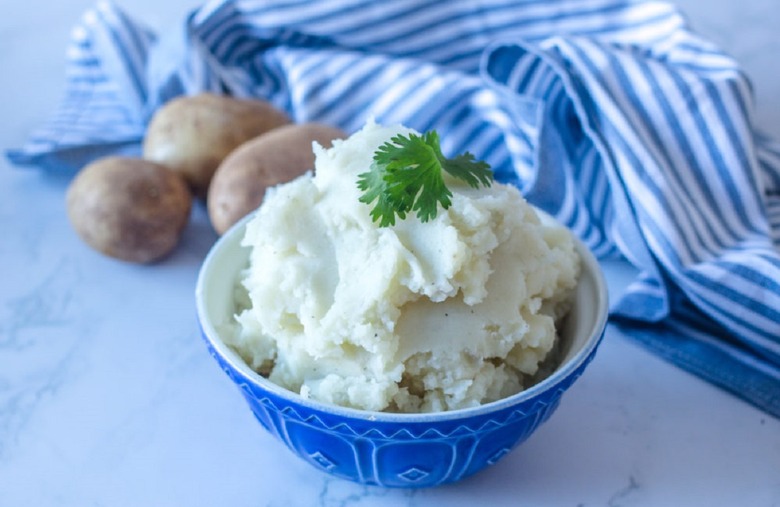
{"x": 406, "y": 177}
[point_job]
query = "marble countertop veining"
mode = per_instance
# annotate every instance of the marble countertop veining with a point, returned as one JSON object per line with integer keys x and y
{"x": 108, "y": 397}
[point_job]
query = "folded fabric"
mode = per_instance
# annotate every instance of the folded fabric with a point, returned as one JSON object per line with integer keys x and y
{"x": 611, "y": 115}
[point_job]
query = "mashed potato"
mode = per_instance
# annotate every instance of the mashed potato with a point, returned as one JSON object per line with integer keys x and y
{"x": 416, "y": 317}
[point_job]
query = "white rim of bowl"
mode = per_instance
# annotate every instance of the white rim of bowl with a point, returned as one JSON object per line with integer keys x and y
{"x": 231, "y": 357}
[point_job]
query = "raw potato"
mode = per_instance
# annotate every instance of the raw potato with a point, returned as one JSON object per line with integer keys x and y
{"x": 277, "y": 156}
{"x": 128, "y": 208}
{"x": 193, "y": 134}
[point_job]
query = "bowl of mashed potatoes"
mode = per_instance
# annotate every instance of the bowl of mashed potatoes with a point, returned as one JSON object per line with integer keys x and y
{"x": 409, "y": 355}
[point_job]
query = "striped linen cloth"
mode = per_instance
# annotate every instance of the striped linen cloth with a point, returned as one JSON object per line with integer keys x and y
{"x": 611, "y": 115}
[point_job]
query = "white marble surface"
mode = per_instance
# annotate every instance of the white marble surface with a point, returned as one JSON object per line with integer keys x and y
{"x": 108, "y": 397}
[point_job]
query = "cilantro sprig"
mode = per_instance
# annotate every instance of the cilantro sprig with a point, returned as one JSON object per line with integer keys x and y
{"x": 406, "y": 177}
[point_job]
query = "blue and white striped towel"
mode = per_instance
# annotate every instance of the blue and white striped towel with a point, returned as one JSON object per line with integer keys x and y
{"x": 610, "y": 114}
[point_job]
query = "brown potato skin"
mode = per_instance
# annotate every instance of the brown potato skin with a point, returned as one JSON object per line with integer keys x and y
{"x": 128, "y": 208}
{"x": 191, "y": 135}
{"x": 278, "y": 156}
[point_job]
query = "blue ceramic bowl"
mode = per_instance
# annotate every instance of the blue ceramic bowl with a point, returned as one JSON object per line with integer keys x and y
{"x": 396, "y": 450}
